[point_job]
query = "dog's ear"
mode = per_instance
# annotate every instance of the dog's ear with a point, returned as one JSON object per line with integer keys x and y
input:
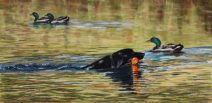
{"x": 117, "y": 60}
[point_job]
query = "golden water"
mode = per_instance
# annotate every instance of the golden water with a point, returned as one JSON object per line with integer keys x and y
{"x": 99, "y": 27}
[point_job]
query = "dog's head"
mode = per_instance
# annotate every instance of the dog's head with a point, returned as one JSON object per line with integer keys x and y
{"x": 139, "y": 55}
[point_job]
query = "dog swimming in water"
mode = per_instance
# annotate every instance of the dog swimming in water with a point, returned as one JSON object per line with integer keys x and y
{"x": 115, "y": 60}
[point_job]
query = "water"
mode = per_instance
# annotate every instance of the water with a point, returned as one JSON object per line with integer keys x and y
{"x": 41, "y": 63}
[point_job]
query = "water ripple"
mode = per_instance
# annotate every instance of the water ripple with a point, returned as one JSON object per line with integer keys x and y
{"x": 88, "y": 24}
{"x": 152, "y": 61}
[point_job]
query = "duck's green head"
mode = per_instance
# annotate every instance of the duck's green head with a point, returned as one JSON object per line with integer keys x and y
{"x": 50, "y": 16}
{"x": 35, "y": 15}
{"x": 156, "y": 41}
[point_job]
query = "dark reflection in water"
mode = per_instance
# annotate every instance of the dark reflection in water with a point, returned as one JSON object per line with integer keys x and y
{"x": 129, "y": 81}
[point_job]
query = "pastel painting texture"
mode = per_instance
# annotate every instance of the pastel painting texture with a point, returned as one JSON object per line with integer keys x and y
{"x": 105, "y": 51}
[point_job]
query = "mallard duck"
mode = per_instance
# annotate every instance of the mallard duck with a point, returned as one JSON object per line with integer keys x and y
{"x": 37, "y": 20}
{"x": 59, "y": 20}
{"x": 170, "y": 47}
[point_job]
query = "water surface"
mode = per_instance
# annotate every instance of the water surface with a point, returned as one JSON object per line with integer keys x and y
{"x": 40, "y": 63}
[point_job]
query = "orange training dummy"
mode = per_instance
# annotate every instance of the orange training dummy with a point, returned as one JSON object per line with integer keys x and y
{"x": 134, "y": 62}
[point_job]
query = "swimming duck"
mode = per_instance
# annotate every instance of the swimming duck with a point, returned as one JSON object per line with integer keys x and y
{"x": 57, "y": 21}
{"x": 37, "y": 20}
{"x": 170, "y": 47}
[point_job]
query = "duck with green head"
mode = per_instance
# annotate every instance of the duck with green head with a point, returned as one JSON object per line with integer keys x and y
{"x": 57, "y": 21}
{"x": 37, "y": 20}
{"x": 170, "y": 47}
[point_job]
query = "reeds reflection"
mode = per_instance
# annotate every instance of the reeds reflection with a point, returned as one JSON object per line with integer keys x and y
{"x": 178, "y": 20}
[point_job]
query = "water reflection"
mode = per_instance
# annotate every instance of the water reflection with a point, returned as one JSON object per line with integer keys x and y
{"x": 161, "y": 77}
{"x": 99, "y": 27}
{"x": 97, "y": 24}
{"x": 177, "y": 85}
{"x": 129, "y": 81}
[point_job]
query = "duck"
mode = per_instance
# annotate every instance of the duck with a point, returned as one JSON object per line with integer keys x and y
{"x": 57, "y": 21}
{"x": 37, "y": 20}
{"x": 170, "y": 47}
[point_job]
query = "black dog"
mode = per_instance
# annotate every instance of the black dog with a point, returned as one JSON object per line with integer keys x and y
{"x": 115, "y": 60}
